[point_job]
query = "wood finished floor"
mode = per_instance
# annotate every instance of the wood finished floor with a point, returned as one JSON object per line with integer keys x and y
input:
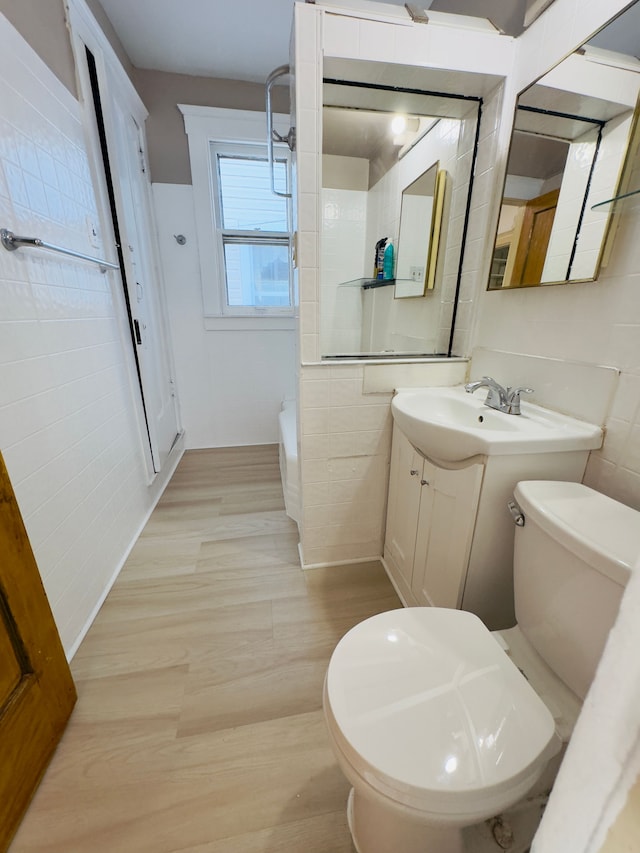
{"x": 199, "y": 724}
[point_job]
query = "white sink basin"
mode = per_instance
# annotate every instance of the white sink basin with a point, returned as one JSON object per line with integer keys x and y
{"x": 450, "y": 425}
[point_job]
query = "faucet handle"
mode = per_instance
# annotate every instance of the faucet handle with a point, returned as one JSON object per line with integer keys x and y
{"x": 513, "y": 398}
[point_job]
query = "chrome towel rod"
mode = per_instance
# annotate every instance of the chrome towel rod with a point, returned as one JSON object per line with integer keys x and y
{"x": 11, "y": 242}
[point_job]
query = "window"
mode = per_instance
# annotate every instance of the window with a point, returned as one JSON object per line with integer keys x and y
{"x": 243, "y": 229}
{"x": 253, "y": 230}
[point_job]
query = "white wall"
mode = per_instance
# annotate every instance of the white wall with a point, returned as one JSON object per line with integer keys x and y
{"x": 69, "y": 430}
{"x": 231, "y": 382}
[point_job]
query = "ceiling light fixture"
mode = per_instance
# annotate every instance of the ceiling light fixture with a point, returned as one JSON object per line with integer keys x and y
{"x": 398, "y": 124}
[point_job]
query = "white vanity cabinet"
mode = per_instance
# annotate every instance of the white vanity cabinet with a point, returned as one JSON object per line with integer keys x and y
{"x": 430, "y": 522}
{"x": 449, "y": 535}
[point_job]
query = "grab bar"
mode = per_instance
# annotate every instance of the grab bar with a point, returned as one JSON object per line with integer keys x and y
{"x": 273, "y": 135}
{"x": 11, "y": 242}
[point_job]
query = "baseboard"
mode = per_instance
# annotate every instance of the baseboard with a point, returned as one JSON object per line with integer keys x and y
{"x": 400, "y": 595}
{"x": 338, "y": 562}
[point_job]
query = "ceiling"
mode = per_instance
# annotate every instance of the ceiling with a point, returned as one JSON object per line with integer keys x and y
{"x": 242, "y": 39}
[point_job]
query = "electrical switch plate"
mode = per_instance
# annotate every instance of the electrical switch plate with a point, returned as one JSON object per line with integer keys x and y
{"x": 93, "y": 233}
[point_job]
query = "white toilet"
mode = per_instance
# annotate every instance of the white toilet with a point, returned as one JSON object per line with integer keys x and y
{"x": 440, "y": 724}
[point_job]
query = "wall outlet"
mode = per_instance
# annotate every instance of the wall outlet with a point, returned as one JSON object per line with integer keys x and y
{"x": 416, "y": 273}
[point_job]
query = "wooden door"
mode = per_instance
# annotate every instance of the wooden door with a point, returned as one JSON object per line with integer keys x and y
{"x": 37, "y": 692}
{"x": 534, "y": 239}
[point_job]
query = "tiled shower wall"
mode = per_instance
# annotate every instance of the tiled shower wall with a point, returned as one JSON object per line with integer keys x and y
{"x": 68, "y": 427}
{"x": 344, "y": 216}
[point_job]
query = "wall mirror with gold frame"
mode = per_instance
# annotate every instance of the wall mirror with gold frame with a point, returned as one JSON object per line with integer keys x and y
{"x": 570, "y": 138}
{"x": 421, "y": 217}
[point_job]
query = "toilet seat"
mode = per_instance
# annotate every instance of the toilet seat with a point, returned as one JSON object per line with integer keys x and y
{"x": 425, "y": 707}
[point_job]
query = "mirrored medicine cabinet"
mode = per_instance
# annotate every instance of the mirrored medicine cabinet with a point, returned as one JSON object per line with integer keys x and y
{"x": 398, "y": 151}
{"x": 570, "y": 141}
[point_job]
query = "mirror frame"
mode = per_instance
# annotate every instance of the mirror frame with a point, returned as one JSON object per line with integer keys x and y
{"x": 407, "y": 287}
{"x": 621, "y": 181}
{"x": 414, "y": 235}
{"x": 437, "y": 222}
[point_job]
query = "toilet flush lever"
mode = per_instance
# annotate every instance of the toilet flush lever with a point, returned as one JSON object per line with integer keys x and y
{"x": 516, "y": 513}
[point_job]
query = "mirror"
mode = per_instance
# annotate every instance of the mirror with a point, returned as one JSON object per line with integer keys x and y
{"x": 420, "y": 230}
{"x": 367, "y": 170}
{"x": 568, "y": 147}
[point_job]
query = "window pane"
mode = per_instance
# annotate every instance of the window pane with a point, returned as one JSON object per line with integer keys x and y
{"x": 257, "y": 274}
{"x": 245, "y": 194}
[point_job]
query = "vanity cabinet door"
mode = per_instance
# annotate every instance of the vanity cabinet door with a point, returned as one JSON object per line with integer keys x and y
{"x": 446, "y": 521}
{"x": 402, "y": 513}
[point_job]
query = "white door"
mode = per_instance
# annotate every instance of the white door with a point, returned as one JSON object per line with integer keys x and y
{"x": 125, "y": 190}
{"x": 142, "y": 282}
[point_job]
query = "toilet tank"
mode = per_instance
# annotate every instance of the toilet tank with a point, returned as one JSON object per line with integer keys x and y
{"x": 572, "y": 560}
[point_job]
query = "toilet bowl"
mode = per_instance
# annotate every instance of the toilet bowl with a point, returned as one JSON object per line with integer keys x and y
{"x": 440, "y": 724}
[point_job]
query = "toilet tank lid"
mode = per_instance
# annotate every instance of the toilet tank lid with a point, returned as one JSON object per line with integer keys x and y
{"x": 599, "y": 530}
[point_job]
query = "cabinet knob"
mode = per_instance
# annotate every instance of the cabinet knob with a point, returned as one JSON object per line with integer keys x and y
{"x": 424, "y": 482}
{"x": 414, "y": 472}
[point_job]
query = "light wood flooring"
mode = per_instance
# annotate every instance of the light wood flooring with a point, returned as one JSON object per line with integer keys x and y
{"x": 199, "y": 724}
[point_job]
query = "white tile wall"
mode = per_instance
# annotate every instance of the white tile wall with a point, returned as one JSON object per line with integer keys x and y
{"x": 343, "y": 258}
{"x": 564, "y": 26}
{"x": 418, "y": 45}
{"x": 68, "y": 427}
{"x": 345, "y": 440}
{"x": 557, "y": 383}
{"x": 308, "y": 83}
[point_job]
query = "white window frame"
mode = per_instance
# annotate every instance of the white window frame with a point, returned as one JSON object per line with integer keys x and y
{"x": 206, "y": 125}
{"x": 247, "y": 236}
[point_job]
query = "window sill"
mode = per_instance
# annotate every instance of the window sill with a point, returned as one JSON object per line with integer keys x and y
{"x": 249, "y": 324}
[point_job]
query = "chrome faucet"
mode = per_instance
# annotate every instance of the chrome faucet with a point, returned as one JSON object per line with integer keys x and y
{"x": 505, "y": 400}
{"x": 513, "y": 398}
